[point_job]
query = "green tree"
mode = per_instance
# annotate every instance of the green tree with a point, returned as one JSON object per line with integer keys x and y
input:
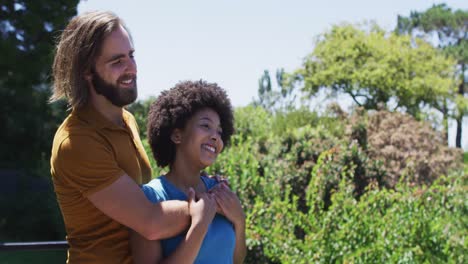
{"x": 140, "y": 110}
{"x": 27, "y": 31}
{"x": 27, "y": 34}
{"x": 450, "y": 30}
{"x": 377, "y": 69}
{"x": 281, "y": 99}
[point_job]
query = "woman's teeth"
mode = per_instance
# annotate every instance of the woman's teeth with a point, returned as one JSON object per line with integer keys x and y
{"x": 209, "y": 148}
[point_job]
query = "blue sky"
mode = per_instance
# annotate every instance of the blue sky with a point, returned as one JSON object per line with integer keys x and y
{"x": 232, "y": 42}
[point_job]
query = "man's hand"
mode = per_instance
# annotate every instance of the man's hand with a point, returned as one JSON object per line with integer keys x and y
{"x": 221, "y": 179}
{"x": 202, "y": 210}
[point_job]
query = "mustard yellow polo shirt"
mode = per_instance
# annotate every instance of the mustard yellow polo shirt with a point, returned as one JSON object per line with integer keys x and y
{"x": 89, "y": 152}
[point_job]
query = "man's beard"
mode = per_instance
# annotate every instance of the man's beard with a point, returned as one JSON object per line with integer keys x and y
{"x": 116, "y": 95}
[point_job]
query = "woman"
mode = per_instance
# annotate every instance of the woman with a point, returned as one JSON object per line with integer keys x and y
{"x": 188, "y": 126}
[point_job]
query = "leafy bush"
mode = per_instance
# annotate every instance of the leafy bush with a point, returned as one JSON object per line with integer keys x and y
{"x": 140, "y": 110}
{"x": 254, "y": 122}
{"x": 408, "y": 147}
{"x": 405, "y": 225}
{"x": 316, "y": 191}
{"x": 29, "y": 210}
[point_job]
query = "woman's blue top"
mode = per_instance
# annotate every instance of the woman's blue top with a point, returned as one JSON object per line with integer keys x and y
{"x": 220, "y": 239}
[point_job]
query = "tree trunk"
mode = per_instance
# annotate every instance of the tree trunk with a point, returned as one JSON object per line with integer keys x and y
{"x": 459, "y": 132}
{"x": 461, "y": 89}
{"x": 445, "y": 121}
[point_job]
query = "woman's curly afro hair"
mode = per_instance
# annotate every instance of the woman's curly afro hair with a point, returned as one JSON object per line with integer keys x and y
{"x": 174, "y": 107}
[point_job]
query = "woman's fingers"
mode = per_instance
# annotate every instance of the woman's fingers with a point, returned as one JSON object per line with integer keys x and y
{"x": 223, "y": 198}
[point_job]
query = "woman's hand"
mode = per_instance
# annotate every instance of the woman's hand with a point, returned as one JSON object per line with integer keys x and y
{"x": 202, "y": 212}
{"x": 231, "y": 208}
{"x": 229, "y": 205}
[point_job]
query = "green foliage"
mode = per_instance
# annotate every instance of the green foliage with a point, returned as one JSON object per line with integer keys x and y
{"x": 449, "y": 25}
{"x": 408, "y": 147}
{"x": 374, "y": 67}
{"x": 406, "y": 225}
{"x": 27, "y": 38}
{"x": 37, "y": 257}
{"x": 448, "y": 28}
{"x": 140, "y": 110}
{"x": 282, "y": 98}
{"x": 289, "y": 120}
{"x": 252, "y": 122}
{"x": 157, "y": 171}
{"x": 27, "y": 31}
{"x": 316, "y": 188}
{"x": 30, "y": 212}
{"x": 240, "y": 162}
{"x": 345, "y": 214}
{"x": 315, "y": 191}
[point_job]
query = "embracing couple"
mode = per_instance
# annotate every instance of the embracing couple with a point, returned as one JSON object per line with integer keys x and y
{"x": 113, "y": 211}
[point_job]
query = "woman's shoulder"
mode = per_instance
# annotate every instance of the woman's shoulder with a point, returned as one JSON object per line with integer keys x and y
{"x": 156, "y": 183}
{"x": 155, "y": 190}
{"x": 210, "y": 182}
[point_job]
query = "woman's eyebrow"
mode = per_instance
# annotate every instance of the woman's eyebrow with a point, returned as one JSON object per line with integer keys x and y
{"x": 205, "y": 118}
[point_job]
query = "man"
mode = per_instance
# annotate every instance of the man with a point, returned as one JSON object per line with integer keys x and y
{"x": 97, "y": 157}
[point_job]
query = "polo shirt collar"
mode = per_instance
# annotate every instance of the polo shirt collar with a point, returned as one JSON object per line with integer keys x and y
{"x": 92, "y": 116}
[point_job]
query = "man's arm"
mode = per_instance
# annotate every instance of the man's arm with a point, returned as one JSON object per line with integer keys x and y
{"x": 202, "y": 211}
{"x": 125, "y": 202}
{"x": 145, "y": 251}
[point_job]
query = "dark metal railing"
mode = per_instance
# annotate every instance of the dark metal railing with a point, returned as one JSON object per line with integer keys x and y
{"x": 28, "y": 246}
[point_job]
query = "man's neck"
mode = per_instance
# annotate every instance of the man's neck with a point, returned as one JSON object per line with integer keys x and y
{"x": 108, "y": 110}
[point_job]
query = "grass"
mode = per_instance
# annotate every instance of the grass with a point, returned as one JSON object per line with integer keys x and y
{"x": 465, "y": 158}
{"x": 37, "y": 257}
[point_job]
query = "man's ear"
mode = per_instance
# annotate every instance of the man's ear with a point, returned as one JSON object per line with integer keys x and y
{"x": 176, "y": 136}
{"x": 88, "y": 75}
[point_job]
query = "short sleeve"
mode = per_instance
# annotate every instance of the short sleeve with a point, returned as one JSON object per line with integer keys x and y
{"x": 155, "y": 191}
{"x": 209, "y": 182}
{"x": 87, "y": 163}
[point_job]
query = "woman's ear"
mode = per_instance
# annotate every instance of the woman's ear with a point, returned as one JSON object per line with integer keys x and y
{"x": 176, "y": 136}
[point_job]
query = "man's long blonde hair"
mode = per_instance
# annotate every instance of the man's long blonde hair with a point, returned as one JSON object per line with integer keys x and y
{"x": 76, "y": 53}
